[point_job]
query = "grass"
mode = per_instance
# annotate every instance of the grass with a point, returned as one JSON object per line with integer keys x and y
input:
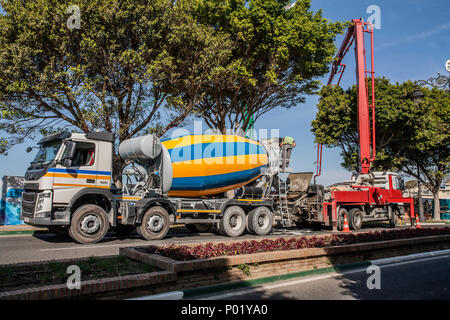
{"x": 12, "y": 278}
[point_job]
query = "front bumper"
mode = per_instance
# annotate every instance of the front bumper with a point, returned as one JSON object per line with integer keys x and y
{"x": 47, "y": 221}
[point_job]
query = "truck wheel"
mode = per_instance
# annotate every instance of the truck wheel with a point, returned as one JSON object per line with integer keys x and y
{"x": 155, "y": 223}
{"x": 340, "y": 218}
{"x": 89, "y": 224}
{"x": 199, "y": 227}
{"x": 232, "y": 223}
{"x": 260, "y": 221}
{"x": 355, "y": 219}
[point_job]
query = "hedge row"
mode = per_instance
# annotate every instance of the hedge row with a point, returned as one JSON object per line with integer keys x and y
{"x": 210, "y": 250}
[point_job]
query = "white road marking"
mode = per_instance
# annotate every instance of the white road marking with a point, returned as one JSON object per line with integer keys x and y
{"x": 92, "y": 247}
{"x": 327, "y": 276}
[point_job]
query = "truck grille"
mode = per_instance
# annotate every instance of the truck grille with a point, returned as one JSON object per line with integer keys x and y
{"x": 28, "y": 203}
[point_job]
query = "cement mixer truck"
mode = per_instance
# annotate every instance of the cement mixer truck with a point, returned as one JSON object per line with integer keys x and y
{"x": 222, "y": 183}
{"x": 184, "y": 180}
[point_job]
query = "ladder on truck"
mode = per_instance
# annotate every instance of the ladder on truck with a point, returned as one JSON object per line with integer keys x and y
{"x": 282, "y": 200}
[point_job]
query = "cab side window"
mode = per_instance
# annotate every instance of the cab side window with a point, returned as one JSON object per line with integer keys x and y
{"x": 84, "y": 154}
{"x": 397, "y": 183}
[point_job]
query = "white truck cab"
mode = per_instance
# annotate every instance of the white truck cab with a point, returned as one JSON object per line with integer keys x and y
{"x": 68, "y": 169}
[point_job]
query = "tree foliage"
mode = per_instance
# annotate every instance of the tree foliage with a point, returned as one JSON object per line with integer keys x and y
{"x": 277, "y": 55}
{"x": 133, "y": 66}
{"x": 409, "y": 135}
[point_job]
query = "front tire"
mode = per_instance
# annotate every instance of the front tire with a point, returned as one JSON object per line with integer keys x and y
{"x": 355, "y": 219}
{"x": 89, "y": 224}
{"x": 233, "y": 222}
{"x": 260, "y": 221}
{"x": 155, "y": 224}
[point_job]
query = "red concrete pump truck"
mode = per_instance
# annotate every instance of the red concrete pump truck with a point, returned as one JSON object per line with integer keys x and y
{"x": 372, "y": 195}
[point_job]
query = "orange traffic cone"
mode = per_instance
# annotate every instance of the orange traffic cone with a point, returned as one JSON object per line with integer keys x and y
{"x": 345, "y": 227}
{"x": 418, "y": 226}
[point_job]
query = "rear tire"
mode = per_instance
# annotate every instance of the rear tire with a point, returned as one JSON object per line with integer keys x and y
{"x": 233, "y": 222}
{"x": 355, "y": 219}
{"x": 260, "y": 221}
{"x": 89, "y": 224}
{"x": 155, "y": 223}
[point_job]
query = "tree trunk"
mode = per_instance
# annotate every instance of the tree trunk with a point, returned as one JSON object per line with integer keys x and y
{"x": 437, "y": 206}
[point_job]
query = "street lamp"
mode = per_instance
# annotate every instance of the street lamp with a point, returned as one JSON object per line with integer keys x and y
{"x": 438, "y": 82}
{"x": 417, "y": 97}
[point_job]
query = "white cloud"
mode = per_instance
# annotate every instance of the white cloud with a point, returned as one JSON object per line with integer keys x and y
{"x": 417, "y": 36}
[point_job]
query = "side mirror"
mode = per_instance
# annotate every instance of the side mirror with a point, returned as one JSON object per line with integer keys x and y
{"x": 70, "y": 150}
{"x": 69, "y": 154}
{"x": 67, "y": 162}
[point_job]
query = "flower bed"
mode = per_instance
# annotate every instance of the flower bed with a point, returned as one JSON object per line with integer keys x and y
{"x": 210, "y": 250}
{"x": 51, "y": 273}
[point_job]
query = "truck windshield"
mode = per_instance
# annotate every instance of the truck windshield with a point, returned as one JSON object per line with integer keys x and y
{"x": 47, "y": 152}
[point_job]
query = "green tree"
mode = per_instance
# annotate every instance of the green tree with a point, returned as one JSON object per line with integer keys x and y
{"x": 409, "y": 135}
{"x": 132, "y": 67}
{"x": 277, "y": 55}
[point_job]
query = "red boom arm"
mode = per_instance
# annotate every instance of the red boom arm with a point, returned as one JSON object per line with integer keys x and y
{"x": 355, "y": 34}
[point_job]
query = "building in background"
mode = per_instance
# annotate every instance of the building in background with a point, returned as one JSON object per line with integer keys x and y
{"x": 12, "y": 188}
{"x": 411, "y": 190}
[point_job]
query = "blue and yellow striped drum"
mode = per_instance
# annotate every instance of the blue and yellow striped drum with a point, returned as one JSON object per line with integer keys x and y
{"x": 211, "y": 164}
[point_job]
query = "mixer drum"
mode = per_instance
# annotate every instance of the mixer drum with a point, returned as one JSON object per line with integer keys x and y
{"x": 211, "y": 164}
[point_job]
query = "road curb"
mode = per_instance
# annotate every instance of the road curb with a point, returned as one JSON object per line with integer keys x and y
{"x": 190, "y": 293}
{"x": 174, "y": 295}
{"x": 409, "y": 257}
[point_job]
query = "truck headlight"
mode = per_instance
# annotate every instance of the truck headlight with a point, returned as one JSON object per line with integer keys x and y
{"x": 44, "y": 201}
{"x": 40, "y": 202}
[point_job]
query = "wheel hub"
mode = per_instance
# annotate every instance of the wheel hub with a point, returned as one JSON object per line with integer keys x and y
{"x": 155, "y": 223}
{"x": 263, "y": 221}
{"x": 235, "y": 221}
{"x": 90, "y": 224}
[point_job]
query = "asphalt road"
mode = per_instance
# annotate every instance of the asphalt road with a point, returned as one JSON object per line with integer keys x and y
{"x": 46, "y": 246}
{"x": 420, "y": 279}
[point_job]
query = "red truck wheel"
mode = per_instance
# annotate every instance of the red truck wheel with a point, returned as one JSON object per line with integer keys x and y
{"x": 355, "y": 219}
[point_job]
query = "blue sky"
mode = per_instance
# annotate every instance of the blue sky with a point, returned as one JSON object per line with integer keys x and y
{"x": 413, "y": 43}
